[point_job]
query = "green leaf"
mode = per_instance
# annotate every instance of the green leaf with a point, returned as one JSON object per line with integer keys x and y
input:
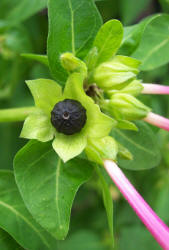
{"x": 141, "y": 238}
{"x": 6, "y": 6}
{"x": 16, "y": 220}
{"x": 38, "y": 126}
{"x": 153, "y": 50}
{"x": 142, "y": 144}
{"x": 82, "y": 240}
{"x": 39, "y": 58}
{"x": 108, "y": 40}
{"x": 46, "y": 93}
{"x": 130, "y": 11}
{"x": 133, "y": 35}
{"x": 73, "y": 25}
{"x": 7, "y": 243}
{"x": 107, "y": 199}
{"x": 165, "y": 5}
{"x": 162, "y": 201}
{"x": 23, "y": 10}
{"x": 48, "y": 186}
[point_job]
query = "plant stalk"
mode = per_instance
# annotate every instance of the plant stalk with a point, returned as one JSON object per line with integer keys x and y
{"x": 15, "y": 114}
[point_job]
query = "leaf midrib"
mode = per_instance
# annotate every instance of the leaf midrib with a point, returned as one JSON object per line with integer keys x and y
{"x": 134, "y": 143}
{"x": 156, "y": 48}
{"x": 72, "y": 26}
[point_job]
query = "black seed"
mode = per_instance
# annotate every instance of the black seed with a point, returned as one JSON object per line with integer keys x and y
{"x": 68, "y": 117}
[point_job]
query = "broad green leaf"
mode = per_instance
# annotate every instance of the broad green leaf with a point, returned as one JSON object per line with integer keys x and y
{"x": 153, "y": 50}
{"x": 133, "y": 35}
{"x": 82, "y": 240}
{"x": 165, "y": 5}
{"x": 16, "y": 220}
{"x": 130, "y": 11}
{"x": 73, "y": 25}
{"x": 48, "y": 186}
{"x": 107, "y": 199}
{"x": 162, "y": 200}
{"x": 23, "y": 10}
{"x": 6, "y": 6}
{"x": 108, "y": 40}
{"x": 39, "y": 58}
{"x": 141, "y": 239}
{"x": 142, "y": 144}
{"x": 7, "y": 243}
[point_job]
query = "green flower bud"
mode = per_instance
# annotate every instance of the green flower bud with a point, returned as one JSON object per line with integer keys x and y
{"x": 125, "y": 106}
{"x": 134, "y": 88}
{"x": 73, "y": 64}
{"x": 117, "y": 73}
{"x": 103, "y": 148}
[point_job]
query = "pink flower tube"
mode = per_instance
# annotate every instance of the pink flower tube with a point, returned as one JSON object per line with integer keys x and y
{"x": 157, "y": 120}
{"x": 153, "y": 223}
{"x": 150, "y": 88}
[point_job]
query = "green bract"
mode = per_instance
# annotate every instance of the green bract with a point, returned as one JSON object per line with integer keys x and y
{"x": 46, "y": 94}
{"x": 104, "y": 148}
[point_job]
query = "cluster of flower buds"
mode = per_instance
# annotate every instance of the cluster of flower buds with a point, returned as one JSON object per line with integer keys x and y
{"x": 118, "y": 79}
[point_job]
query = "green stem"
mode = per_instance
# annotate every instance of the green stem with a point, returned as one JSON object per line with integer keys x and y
{"x": 15, "y": 114}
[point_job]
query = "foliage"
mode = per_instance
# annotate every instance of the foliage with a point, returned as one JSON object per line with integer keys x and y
{"x": 49, "y": 184}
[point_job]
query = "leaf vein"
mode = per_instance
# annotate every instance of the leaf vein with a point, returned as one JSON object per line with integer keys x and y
{"x": 17, "y": 214}
{"x": 155, "y": 49}
{"x": 134, "y": 143}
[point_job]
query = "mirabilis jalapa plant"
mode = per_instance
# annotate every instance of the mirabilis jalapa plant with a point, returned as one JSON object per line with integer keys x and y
{"x": 56, "y": 116}
{"x": 94, "y": 93}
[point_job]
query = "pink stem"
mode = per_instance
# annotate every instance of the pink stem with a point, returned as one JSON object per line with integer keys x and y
{"x": 157, "y": 120}
{"x": 153, "y": 223}
{"x": 150, "y": 88}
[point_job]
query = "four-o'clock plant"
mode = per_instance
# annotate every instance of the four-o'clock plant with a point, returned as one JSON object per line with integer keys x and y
{"x": 87, "y": 119}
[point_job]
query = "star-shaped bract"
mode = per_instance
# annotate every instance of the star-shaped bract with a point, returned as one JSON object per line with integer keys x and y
{"x": 46, "y": 94}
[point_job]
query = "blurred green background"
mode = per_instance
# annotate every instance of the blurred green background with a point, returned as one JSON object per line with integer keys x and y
{"x": 88, "y": 229}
